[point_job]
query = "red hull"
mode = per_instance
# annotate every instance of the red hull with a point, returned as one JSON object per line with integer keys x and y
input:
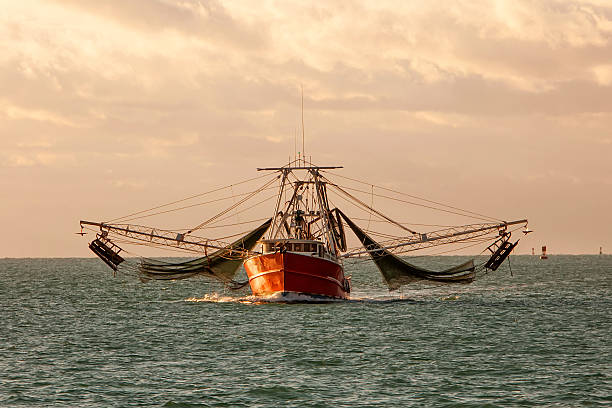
{"x": 291, "y": 272}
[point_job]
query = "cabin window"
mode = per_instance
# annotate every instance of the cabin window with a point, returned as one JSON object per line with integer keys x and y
{"x": 298, "y": 247}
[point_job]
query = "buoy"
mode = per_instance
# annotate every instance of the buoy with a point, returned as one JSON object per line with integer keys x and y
{"x": 544, "y": 256}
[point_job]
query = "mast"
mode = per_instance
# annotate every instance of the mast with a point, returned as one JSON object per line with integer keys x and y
{"x": 324, "y": 209}
{"x": 286, "y": 214}
{"x": 307, "y": 208}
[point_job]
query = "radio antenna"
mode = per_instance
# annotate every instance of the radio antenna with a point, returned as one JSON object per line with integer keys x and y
{"x": 303, "y": 153}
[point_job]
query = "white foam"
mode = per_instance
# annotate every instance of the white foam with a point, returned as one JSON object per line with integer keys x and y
{"x": 294, "y": 297}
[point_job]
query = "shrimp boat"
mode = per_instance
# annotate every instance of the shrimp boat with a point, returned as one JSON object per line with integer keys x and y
{"x": 303, "y": 247}
{"x": 303, "y": 251}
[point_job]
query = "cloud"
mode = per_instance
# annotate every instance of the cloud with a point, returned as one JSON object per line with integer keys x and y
{"x": 603, "y": 74}
{"x": 450, "y": 120}
{"x": 156, "y": 90}
{"x": 182, "y": 140}
{"x": 13, "y": 112}
{"x": 35, "y": 144}
{"x": 128, "y": 184}
{"x": 207, "y": 20}
{"x": 15, "y": 160}
{"x": 37, "y": 158}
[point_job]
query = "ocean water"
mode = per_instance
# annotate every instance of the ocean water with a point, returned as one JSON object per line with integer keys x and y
{"x": 72, "y": 335}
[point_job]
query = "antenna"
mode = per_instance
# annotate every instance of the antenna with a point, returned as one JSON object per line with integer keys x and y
{"x": 303, "y": 153}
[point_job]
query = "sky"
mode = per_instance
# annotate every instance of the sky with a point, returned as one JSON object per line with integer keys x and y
{"x": 500, "y": 107}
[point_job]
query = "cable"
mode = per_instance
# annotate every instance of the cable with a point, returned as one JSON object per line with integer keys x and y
{"x": 416, "y": 204}
{"x": 419, "y": 198}
{"x": 233, "y": 206}
{"x": 188, "y": 198}
{"x": 185, "y": 207}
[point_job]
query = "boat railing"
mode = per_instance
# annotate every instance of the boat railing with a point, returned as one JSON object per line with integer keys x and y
{"x": 312, "y": 248}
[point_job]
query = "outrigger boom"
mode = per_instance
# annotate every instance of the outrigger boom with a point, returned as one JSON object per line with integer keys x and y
{"x": 446, "y": 236}
{"x": 171, "y": 239}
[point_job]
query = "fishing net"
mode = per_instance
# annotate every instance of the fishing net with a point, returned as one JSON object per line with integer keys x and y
{"x": 221, "y": 264}
{"x": 398, "y": 272}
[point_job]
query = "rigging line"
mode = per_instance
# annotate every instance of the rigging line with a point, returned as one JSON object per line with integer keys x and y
{"x": 361, "y": 205}
{"x": 435, "y": 253}
{"x": 233, "y": 201}
{"x": 412, "y": 196}
{"x": 393, "y": 238}
{"x": 406, "y": 223}
{"x": 281, "y": 191}
{"x": 371, "y": 205}
{"x": 234, "y": 206}
{"x": 188, "y": 198}
{"x": 355, "y": 205}
{"x": 423, "y": 205}
{"x": 475, "y": 241}
{"x": 296, "y": 178}
{"x": 177, "y": 230}
{"x": 139, "y": 230}
{"x": 239, "y": 234}
{"x": 182, "y": 208}
{"x": 152, "y": 245}
{"x": 144, "y": 237}
{"x": 453, "y": 249}
{"x": 122, "y": 239}
{"x": 384, "y": 235}
{"x": 419, "y": 198}
{"x": 393, "y": 246}
{"x": 393, "y": 242}
{"x": 160, "y": 246}
{"x": 370, "y": 208}
{"x": 234, "y": 224}
{"x": 244, "y": 210}
{"x": 129, "y": 239}
{"x": 485, "y": 239}
{"x": 177, "y": 252}
{"x": 335, "y": 194}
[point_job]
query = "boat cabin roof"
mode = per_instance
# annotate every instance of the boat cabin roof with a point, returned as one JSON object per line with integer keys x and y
{"x": 292, "y": 245}
{"x": 289, "y": 240}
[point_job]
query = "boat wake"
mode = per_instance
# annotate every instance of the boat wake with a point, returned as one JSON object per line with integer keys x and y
{"x": 285, "y": 297}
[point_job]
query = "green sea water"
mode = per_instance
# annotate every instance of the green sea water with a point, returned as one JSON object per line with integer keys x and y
{"x": 72, "y": 335}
